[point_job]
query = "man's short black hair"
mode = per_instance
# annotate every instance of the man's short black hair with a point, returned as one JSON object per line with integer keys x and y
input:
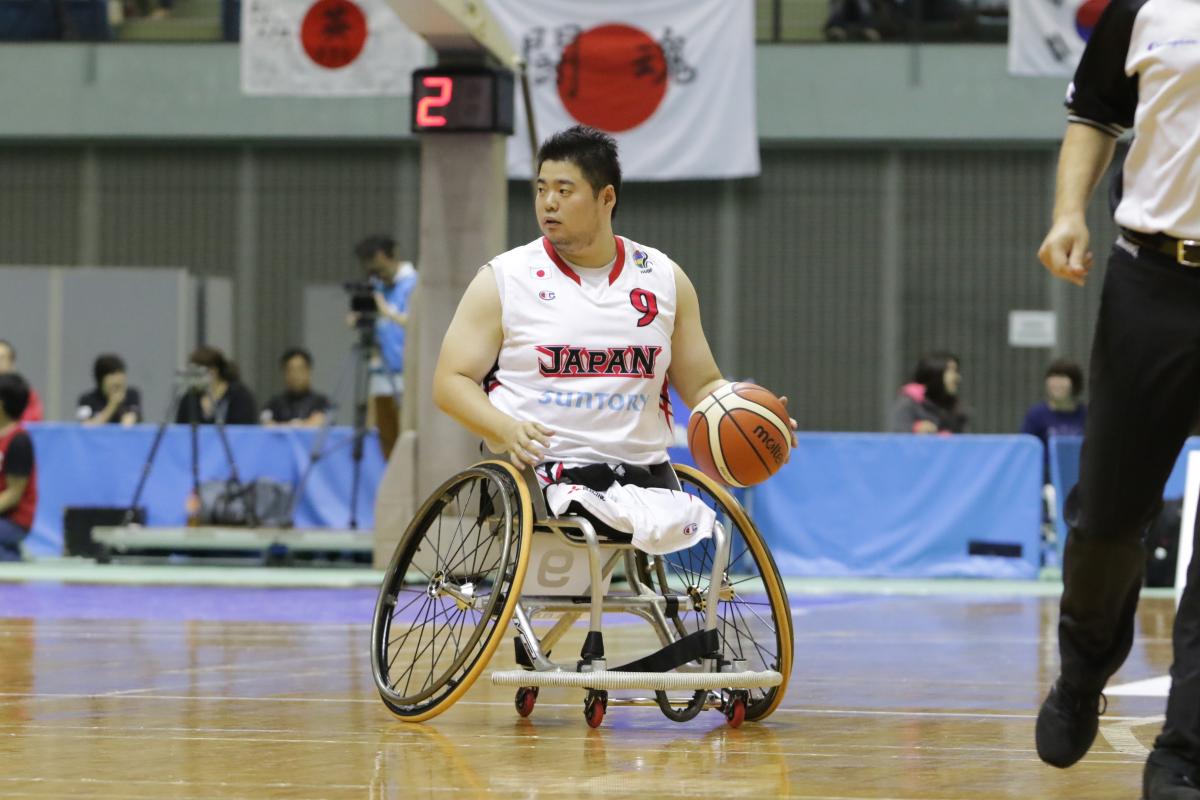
{"x": 375, "y": 243}
{"x": 106, "y": 364}
{"x": 14, "y": 395}
{"x": 292, "y": 352}
{"x": 1068, "y": 369}
{"x": 593, "y": 151}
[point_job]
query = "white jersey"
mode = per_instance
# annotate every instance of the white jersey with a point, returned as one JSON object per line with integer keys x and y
{"x": 587, "y": 354}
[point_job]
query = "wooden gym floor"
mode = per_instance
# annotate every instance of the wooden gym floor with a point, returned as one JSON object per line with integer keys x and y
{"x": 220, "y": 692}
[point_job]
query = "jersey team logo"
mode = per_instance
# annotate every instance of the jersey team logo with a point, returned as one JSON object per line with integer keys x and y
{"x": 641, "y": 260}
{"x": 546, "y": 295}
{"x": 566, "y": 361}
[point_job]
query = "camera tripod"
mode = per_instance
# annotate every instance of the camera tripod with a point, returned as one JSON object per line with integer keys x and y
{"x": 357, "y": 361}
{"x": 188, "y": 382}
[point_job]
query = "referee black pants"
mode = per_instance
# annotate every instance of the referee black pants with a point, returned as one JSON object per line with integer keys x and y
{"x": 1144, "y": 397}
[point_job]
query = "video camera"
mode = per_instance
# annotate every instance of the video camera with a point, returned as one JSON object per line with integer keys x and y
{"x": 362, "y": 296}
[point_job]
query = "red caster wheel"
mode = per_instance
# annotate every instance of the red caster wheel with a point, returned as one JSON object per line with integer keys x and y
{"x": 594, "y": 707}
{"x": 735, "y": 710}
{"x": 526, "y": 699}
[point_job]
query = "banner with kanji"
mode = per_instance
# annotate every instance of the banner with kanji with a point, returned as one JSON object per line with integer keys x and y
{"x": 1047, "y": 37}
{"x": 327, "y": 48}
{"x": 672, "y": 80}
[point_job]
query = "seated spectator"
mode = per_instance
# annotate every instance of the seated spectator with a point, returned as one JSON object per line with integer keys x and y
{"x": 1061, "y": 413}
{"x": 224, "y": 398}
{"x": 299, "y": 405}
{"x": 113, "y": 400}
{"x": 8, "y": 362}
{"x": 18, "y": 475}
{"x": 930, "y": 404}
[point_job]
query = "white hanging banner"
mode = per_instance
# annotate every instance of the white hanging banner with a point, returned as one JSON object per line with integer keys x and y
{"x": 1047, "y": 37}
{"x": 672, "y": 80}
{"x": 327, "y": 48}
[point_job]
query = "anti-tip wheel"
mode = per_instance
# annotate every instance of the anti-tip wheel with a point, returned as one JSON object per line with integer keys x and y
{"x": 526, "y": 699}
{"x": 735, "y": 709}
{"x": 594, "y": 707}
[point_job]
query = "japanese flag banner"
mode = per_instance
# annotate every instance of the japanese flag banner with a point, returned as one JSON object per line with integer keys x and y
{"x": 327, "y": 48}
{"x": 672, "y": 80}
{"x": 1047, "y": 37}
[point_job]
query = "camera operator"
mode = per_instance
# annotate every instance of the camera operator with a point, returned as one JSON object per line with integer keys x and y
{"x": 221, "y": 397}
{"x": 393, "y": 282}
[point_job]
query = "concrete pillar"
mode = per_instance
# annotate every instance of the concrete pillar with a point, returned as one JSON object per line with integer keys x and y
{"x": 463, "y": 222}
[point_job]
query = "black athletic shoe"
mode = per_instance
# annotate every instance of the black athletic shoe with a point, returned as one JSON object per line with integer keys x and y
{"x": 1163, "y": 783}
{"x": 1067, "y": 725}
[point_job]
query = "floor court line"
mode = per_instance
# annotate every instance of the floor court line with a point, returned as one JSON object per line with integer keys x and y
{"x": 848, "y": 712}
{"x": 493, "y": 743}
{"x": 555, "y": 734}
{"x": 1119, "y": 735}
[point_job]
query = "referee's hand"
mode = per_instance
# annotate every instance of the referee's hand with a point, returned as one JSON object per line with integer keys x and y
{"x": 1065, "y": 249}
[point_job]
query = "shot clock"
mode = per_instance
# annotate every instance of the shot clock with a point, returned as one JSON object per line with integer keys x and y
{"x": 462, "y": 99}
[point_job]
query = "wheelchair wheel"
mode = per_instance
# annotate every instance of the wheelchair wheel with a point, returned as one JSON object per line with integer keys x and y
{"x": 450, "y": 590}
{"x": 754, "y": 617}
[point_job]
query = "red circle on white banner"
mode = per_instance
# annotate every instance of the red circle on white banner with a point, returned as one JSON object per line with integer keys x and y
{"x": 333, "y": 33}
{"x": 612, "y": 77}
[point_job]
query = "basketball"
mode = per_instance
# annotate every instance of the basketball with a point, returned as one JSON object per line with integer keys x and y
{"x": 739, "y": 434}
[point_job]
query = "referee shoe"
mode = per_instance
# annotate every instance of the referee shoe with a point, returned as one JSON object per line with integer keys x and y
{"x": 1067, "y": 724}
{"x": 1160, "y": 782}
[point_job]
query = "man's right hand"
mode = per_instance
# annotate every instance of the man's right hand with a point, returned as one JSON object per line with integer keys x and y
{"x": 1065, "y": 249}
{"x": 524, "y": 442}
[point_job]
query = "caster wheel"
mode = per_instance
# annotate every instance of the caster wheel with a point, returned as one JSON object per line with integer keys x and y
{"x": 526, "y": 699}
{"x": 735, "y": 710}
{"x": 594, "y": 708}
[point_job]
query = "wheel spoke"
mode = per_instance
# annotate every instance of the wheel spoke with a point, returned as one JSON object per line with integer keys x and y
{"x": 766, "y": 655}
{"x": 458, "y": 528}
{"x": 438, "y": 657}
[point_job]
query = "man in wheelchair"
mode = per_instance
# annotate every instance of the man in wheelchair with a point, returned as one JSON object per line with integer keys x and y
{"x": 559, "y": 356}
{"x": 561, "y": 350}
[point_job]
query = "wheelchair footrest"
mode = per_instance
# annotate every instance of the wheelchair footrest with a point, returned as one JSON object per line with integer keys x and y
{"x": 663, "y": 681}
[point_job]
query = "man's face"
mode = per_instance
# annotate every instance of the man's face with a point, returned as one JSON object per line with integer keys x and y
{"x": 381, "y": 267}
{"x": 1058, "y": 388}
{"x": 113, "y": 383}
{"x": 569, "y": 211}
{"x": 297, "y": 375}
{"x": 6, "y": 359}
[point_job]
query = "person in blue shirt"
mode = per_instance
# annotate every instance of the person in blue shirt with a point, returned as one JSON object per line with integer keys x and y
{"x": 394, "y": 281}
{"x": 1061, "y": 413}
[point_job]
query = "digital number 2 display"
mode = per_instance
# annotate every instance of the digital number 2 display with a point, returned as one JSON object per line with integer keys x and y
{"x": 445, "y": 87}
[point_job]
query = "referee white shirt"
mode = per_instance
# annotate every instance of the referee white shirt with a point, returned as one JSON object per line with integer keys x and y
{"x": 1141, "y": 70}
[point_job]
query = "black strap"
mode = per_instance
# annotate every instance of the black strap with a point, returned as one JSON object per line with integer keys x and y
{"x": 692, "y": 647}
{"x": 599, "y": 477}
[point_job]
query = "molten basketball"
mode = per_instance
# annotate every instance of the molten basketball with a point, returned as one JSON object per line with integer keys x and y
{"x": 740, "y": 434}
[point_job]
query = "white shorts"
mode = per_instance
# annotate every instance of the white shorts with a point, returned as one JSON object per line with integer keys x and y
{"x": 661, "y": 520}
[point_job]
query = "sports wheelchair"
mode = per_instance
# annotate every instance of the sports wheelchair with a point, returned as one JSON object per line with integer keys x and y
{"x": 483, "y": 551}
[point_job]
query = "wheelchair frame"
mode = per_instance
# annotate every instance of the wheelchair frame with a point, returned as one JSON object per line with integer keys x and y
{"x": 694, "y": 662}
